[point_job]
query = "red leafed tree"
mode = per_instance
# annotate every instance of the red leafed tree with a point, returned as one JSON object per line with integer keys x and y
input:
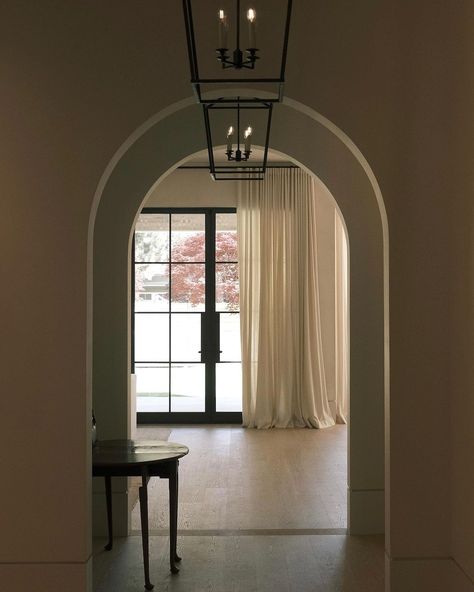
{"x": 188, "y": 281}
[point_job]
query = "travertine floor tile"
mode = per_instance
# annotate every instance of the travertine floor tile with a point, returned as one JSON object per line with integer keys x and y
{"x": 331, "y": 563}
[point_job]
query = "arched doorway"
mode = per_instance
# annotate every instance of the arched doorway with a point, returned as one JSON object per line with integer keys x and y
{"x": 318, "y": 146}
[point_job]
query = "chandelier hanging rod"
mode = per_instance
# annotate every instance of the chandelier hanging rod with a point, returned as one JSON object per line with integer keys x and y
{"x": 284, "y": 53}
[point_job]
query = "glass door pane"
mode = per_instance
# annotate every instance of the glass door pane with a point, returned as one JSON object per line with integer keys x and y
{"x": 152, "y": 238}
{"x": 188, "y": 287}
{"x": 188, "y": 392}
{"x": 152, "y": 387}
{"x": 152, "y": 286}
{"x": 229, "y": 387}
{"x": 228, "y": 396}
{"x": 188, "y": 237}
{"x": 185, "y": 337}
{"x": 151, "y": 337}
{"x": 226, "y": 237}
{"x": 229, "y": 327}
{"x": 227, "y": 286}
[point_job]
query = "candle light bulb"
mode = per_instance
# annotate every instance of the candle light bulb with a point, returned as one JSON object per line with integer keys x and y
{"x": 222, "y": 18}
{"x": 251, "y": 18}
{"x": 251, "y": 15}
{"x": 248, "y": 137}
{"x": 230, "y": 134}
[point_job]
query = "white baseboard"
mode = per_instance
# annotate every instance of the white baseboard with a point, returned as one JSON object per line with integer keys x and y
{"x": 426, "y": 575}
{"x": 366, "y": 513}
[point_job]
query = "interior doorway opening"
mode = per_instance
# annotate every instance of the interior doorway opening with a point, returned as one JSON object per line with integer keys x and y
{"x": 319, "y": 147}
{"x": 233, "y": 491}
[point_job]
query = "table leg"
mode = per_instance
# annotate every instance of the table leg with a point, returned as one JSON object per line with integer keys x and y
{"x": 108, "y": 497}
{"x": 173, "y": 494}
{"x": 143, "y": 495}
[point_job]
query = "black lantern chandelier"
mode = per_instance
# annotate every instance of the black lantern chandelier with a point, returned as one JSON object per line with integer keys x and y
{"x": 240, "y": 55}
{"x": 223, "y": 120}
{"x": 236, "y": 50}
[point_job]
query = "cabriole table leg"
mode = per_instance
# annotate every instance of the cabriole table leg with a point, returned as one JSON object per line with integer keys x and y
{"x": 108, "y": 498}
{"x": 143, "y": 495}
{"x": 173, "y": 493}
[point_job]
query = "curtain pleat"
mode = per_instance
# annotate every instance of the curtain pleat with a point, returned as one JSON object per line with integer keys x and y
{"x": 284, "y": 383}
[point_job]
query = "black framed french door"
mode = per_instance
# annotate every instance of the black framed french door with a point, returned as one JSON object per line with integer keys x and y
{"x": 185, "y": 316}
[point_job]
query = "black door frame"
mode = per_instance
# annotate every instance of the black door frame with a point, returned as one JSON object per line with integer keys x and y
{"x": 209, "y": 329}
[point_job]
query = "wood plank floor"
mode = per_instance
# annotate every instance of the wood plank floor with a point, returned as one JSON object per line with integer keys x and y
{"x": 238, "y": 479}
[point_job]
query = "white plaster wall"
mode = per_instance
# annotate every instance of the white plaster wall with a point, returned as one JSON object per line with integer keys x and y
{"x": 192, "y": 188}
{"x": 77, "y": 79}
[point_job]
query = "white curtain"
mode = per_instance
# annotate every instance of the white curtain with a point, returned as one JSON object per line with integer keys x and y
{"x": 284, "y": 381}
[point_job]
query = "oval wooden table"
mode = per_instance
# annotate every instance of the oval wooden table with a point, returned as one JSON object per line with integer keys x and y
{"x": 145, "y": 459}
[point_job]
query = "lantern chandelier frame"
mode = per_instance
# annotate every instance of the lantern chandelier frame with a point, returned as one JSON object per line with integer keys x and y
{"x": 238, "y": 159}
{"x": 239, "y": 165}
{"x": 241, "y": 58}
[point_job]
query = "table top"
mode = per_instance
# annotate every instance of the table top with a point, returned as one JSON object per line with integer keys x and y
{"x": 127, "y": 453}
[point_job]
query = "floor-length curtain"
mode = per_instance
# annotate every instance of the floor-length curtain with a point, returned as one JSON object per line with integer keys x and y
{"x": 284, "y": 383}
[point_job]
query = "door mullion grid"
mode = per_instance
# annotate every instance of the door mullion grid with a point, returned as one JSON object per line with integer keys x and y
{"x": 132, "y": 320}
{"x": 210, "y": 324}
{"x": 210, "y": 313}
{"x": 169, "y": 311}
